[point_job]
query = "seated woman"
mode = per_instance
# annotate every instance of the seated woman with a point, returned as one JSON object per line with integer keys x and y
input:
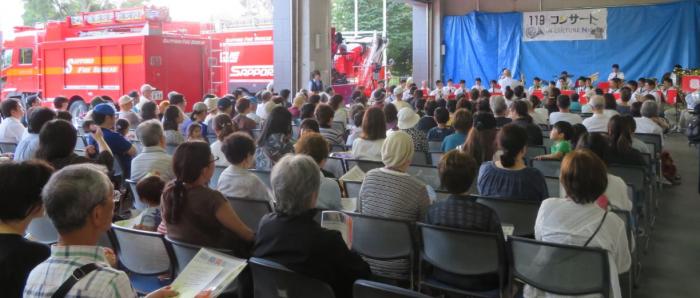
{"x": 196, "y": 214}
{"x": 368, "y": 145}
{"x": 576, "y": 220}
{"x": 172, "y": 119}
{"x": 509, "y": 177}
{"x": 393, "y": 193}
{"x": 223, "y": 127}
{"x": 315, "y": 146}
{"x": 236, "y": 181}
{"x": 481, "y": 141}
{"x": 20, "y": 203}
{"x": 275, "y": 139}
{"x": 621, "y": 150}
{"x": 521, "y": 117}
{"x": 457, "y": 172}
{"x": 290, "y": 236}
{"x": 324, "y": 115}
{"x": 57, "y": 144}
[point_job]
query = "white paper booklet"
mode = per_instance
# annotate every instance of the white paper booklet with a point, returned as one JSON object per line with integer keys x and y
{"x": 208, "y": 270}
{"x": 338, "y": 221}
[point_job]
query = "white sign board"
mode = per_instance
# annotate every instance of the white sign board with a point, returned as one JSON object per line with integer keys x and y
{"x": 583, "y": 24}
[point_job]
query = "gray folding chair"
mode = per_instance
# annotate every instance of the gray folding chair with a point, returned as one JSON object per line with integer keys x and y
{"x": 352, "y": 188}
{"x": 185, "y": 252}
{"x": 534, "y": 151}
{"x": 560, "y": 269}
{"x": 250, "y": 210}
{"x": 547, "y": 142}
{"x": 364, "y": 165}
{"x": 434, "y": 146}
{"x": 653, "y": 139}
{"x": 371, "y": 289}
{"x": 135, "y": 195}
{"x": 383, "y": 239}
{"x": 264, "y": 176}
{"x": 338, "y": 148}
{"x": 549, "y": 168}
{"x": 170, "y": 149}
{"x": 215, "y": 177}
{"x": 7, "y": 147}
{"x": 461, "y": 252}
{"x": 42, "y": 230}
{"x": 272, "y": 280}
{"x": 628, "y": 278}
{"x": 335, "y": 165}
{"x": 421, "y": 158}
{"x": 435, "y": 157}
{"x": 636, "y": 176}
{"x": 552, "y": 186}
{"x": 428, "y": 174}
{"x": 144, "y": 255}
{"x": 520, "y": 213}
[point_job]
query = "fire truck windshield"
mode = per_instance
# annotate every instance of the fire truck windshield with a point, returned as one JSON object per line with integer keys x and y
{"x": 6, "y": 58}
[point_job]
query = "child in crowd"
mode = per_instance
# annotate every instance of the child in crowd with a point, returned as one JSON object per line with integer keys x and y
{"x": 561, "y": 135}
{"x": 149, "y": 190}
{"x": 438, "y": 133}
{"x": 122, "y": 127}
{"x": 355, "y": 130}
{"x": 194, "y": 133}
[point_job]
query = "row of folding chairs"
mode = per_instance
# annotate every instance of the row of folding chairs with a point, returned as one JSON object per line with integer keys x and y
{"x": 6, "y": 147}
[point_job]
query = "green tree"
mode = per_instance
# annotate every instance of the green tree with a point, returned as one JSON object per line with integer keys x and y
{"x": 399, "y": 27}
{"x": 36, "y": 11}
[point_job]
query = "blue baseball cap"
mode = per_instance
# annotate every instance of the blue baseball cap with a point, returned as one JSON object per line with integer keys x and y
{"x": 104, "y": 109}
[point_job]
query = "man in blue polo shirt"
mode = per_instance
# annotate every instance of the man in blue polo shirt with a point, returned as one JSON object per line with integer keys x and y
{"x": 104, "y": 116}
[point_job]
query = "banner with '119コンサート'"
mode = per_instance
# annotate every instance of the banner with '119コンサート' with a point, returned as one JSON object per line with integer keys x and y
{"x": 582, "y": 24}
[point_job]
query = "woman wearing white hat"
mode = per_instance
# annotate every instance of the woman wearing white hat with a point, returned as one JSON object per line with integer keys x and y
{"x": 407, "y": 123}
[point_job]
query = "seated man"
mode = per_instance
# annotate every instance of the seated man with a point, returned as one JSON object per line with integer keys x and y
{"x": 599, "y": 121}
{"x": 153, "y": 159}
{"x": 11, "y": 128}
{"x": 79, "y": 201}
{"x": 104, "y": 116}
{"x": 564, "y": 114}
{"x": 290, "y": 236}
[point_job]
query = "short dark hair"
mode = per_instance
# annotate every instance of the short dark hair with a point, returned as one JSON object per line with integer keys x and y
{"x": 284, "y": 93}
{"x": 584, "y": 176}
{"x": 314, "y": 99}
{"x": 610, "y": 103}
{"x": 441, "y": 115}
{"x": 373, "y": 124}
{"x": 21, "y": 184}
{"x": 59, "y": 101}
{"x": 313, "y": 145}
{"x": 310, "y": 124}
{"x": 563, "y": 101}
{"x": 57, "y": 139}
{"x": 457, "y": 171}
{"x": 390, "y": 113}
{"x": 597, "y": 143}
{"x": 430, "y": 107}
{"x": 64, "y": 115}
{"x": 307, "y": 110}
{"x": 242, "y": 105}
{"x": 150, "y": 189}
{"x": 324, "y": 115}
{"x": 463, "y": 120}
{"x": 38, "y": 117}
{"x": 237, "y": 147}
{"x": 9, "y": 105}
{"x": 177, "y": 99}
{"x": 615, "y": 66}
{"x": 565, "y": 128}
{"x": 636, "y": 109}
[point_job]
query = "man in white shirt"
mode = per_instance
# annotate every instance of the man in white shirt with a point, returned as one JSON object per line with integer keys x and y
{"x": 536, "y": 86}
{"x": 616, "y": 73}
{"x": 440, "y": 91}
{"x": 450, "y": 88}
{"x": 153, "y": 159}
{"x": 507, "y": 81}
{"x": 563, "y": 102}
{"x": 398, "y": 99}
{"x": 493, "y": 89}
{"x": 564, "y": 83}
{"x": 146, "y": 95}
{"x": 11, "y": 128}
{"x": 615, "y": 85}
{"x": 261, "y": 111}
{"x": 477, "y": 85}
{"x": 599, "y": 121}
{"x": 634, "y": 87}
{"x": 647, "y": 123}
{"x": 650, "y": 88}
{"x": 462, "y": 89}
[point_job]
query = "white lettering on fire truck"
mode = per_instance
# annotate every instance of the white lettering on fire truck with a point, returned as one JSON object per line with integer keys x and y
{"x": 229, "y": 57}
{"x": 252, "y": 71}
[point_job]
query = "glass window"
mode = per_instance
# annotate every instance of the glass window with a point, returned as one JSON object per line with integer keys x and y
{"x": 25, "y": 56}
{"x": 6, "y": 58}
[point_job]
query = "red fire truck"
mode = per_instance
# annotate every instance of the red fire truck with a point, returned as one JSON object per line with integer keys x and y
{"x": 107, "y": 54}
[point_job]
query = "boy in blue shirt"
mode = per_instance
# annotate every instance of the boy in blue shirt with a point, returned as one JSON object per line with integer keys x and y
{"x": 438, "y": 133}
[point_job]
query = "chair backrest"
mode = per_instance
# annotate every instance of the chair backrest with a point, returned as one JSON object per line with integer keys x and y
{"x": 42, "y": 230}
{"x": 272, "y": 280}
{"x": 533, "y": 151}
{"x": 185, "y": 252}
{"x": 335, "y": 165}
{"x": 215, "y": 177}
{"x": 651, "y": 138}
{"x": 7, "y": 147}
{"x": 421, "y": 158}
{"x": 547, "y": 142}
{"x": 549, "y": 168}
{"x": 353, "y": 188}
{"x": 296, "y": 130}
{"x": 170, "y": 149}
{"x": 633, "y": 175}
{"x": 462, "y": 252}
{"x": 435, "y": 157}
{"x": 135, "y": 195}
{"x": 372, "y": 289}
{"x": 338, "y": 148}
{"x": 519, "y": 213}
{"x": 552, "y": 186}
{"x": 364, "y": 165}
{"x": 250, "y": 210}
{"x": 434, "y": 146}
{"x": 428, "y": 174}
{"x": 264, "y": 176}
{"x": 142, "y": 252}
{"x": 381, "y": 238}
{"x": 560, "y": 269}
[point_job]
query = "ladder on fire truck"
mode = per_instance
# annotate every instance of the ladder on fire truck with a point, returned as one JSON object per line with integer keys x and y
{"x": 214, "y": 62}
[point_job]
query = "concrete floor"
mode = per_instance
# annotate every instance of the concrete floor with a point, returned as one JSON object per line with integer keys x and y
{"x": 671, "y": 267}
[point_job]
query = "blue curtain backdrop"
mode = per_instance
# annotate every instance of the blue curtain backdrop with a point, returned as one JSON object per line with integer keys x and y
{"x": 645, "y": 40}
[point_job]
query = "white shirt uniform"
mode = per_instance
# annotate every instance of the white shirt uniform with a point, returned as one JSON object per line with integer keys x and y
{"x": 507, "y": 81}
{"x": 439, "y": 93}
{"x": 565, "y": 222}
{"x": 532, "y": 89}
{"x": 597, "y": 123}
{"x": 567, "y": 117}
{"x": 620, "y": 75}
{"x": 477, "y": 87}
{"x": 11, "y": 130}
{"x": 565, "y": 85}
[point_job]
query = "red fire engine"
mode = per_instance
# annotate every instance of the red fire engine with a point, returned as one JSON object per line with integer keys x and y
{"x": 107, "y": 54}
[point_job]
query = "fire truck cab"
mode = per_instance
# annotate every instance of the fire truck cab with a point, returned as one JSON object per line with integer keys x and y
{"x": 107, "y": 54}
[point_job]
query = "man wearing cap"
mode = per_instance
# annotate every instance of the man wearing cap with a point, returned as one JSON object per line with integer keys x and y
{"x": 105, "y": 117}
{"x": 398, "y": 99}
{"x": 212, "y": 111}
{"x": 126, "y": 104}
{"x": 146, "y": 95}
